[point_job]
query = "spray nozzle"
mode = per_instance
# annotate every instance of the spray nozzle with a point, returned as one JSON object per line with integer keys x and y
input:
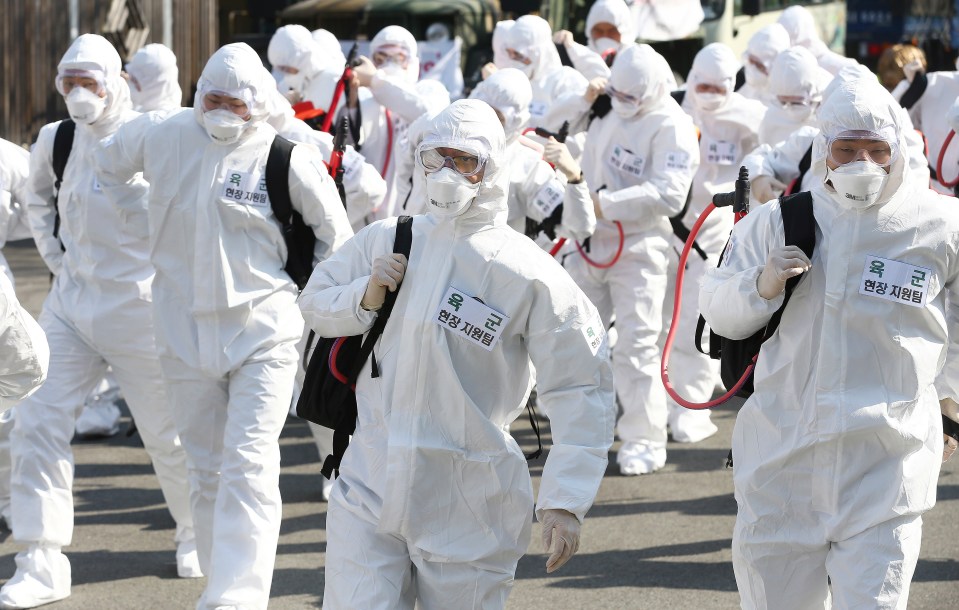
{"x": 739, "y": 198}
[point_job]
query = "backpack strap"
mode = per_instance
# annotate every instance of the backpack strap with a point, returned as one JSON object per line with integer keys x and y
{"x": 740, "y": 79}
{"x": 564, "y": 57}
{"x": 916, "y": 88}
{"x": 62, "y": 145}
{"x": 804, "y": 164}
{"x": 679, "y": 95}
{"x": 799, "y": 225}
{"x": 278, "y": 181}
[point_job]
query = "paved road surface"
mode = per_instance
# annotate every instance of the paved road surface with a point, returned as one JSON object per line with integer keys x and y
{"x": 660, "y": 541}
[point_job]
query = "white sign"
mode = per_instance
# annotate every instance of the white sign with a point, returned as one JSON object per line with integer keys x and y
{"x": 676, "y": 161}
{"x": 245, "y": 187}
{"x": 538, "y": 109}
{"x": 721, "y": 152}
{"x": 549, "y": 198}
{"x": 626, "y": 161}
{"x": 468, "y": 318}
{"x": 895, "y": 281}
{"x": 594, "y": 333}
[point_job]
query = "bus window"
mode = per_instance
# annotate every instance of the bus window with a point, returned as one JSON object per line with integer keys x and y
{"x": 713, "y": 9}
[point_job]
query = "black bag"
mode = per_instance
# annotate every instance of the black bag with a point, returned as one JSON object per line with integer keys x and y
{"x": 328, "y": 398}
{"x": 298, "y": 235}
{"x": 735, "y": 355}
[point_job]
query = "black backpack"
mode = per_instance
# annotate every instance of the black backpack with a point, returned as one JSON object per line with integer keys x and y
{"x": 62, "y": 145}
{"x": 736, "y": 355}
{"x": 298, "y": 235}
{"x": 328, "y": 397}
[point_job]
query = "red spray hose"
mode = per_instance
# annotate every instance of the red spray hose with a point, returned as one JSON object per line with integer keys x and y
{"x": 674, "y": 323}
{"x": 612, "y": 261}
{"x": 942, "y": 154}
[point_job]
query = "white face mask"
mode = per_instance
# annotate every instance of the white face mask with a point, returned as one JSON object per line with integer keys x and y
{"x": 393, "y": 69}
{"x": 798, "y": 113}
{"x": 290, "y": 81}
{"x": 601, "y": 45}
{"x": 857, "y": 184}
{"x": 625, "y": 109}
{"x": 449, "y": 193}
{"x": 709, "y": 101}
{"x": 526, "y": 69}
{"x": 139, "y": 98}
{"x": 755, "y": 78}
{"x": 223, "y": 126}
{"x": 84, "y": 106}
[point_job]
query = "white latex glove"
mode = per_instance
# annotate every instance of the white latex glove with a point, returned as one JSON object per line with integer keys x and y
{"x": 766, "y": 188}
{"x": 911, "y": 69}
{"x": 562, "y": 528}
{"x": 563, "y": 37}
{"x": 388, "y": 272}
{"x": 781, "y": 264}
{"x": 488, "y": 70}
{"x": 950, "y": 409}
{"x": 364, "y": 71}
{"x": 596, "y": 87}
{"x": 558, "y": 155}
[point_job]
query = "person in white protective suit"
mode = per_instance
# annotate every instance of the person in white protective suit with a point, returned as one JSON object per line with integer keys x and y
{"x": 838, "y": 450}
{"x": 801, "y": 26}
{"x": 761, "y": 50}
{"x": 330, "y": 48}
{"x": 773, "y": 168}
{"x": 639, "y": 162}
{"x": 433, "y": 504}
{"x": 225, "y": 309}
{"x": 535, "y": 189}
{"x": 927, "y": 114}
{"x": 386, "y": 99}
{"x": 14, "y": 172}
{"x": 609, "y": 28}
{"x": 728, "y": 124}
{"x": 96, "y": 315}
{"x": 302, "y": 70}
{"x": 794, "y": 92}
{"x": 557, "y": 89}
{"x": 152, "y": 75}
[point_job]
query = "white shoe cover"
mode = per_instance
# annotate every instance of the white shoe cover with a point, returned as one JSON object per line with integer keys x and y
{"x": 187, "y": 561}
{"x": 640, "y": 458}
{"x": 42, "y": 577}
{"x": 98, "y": 419}
{"x": 690, "y": 426}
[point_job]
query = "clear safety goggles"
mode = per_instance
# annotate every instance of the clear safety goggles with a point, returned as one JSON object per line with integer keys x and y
{"x": 757, "y": 63}
{"x": 390, "y": 53}
{"x": 855, "y": 145}
{"x": 466, "y": 164}
{"x": 787, "y": 102}
{"x": 517, "y": 56}
{"x": 92, "y": 80}
{"x": 238, "y": 102}
{"x": 624, "y": 98}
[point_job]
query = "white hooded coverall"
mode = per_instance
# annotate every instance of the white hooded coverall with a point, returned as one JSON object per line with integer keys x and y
{"x": 794, "y": 74}
{"x": 535, "y": 188}
{"x": 928, "y": 115}
{"x": 764, "y": 46}
{"x": 226, "y": 315}
{"x": 97, "y": 314}
{"x": 24, "y": 353}
{"x": 14, "y": 172}
{"x": 729, "y": 132}
{"x": 837, "y": 452}
{"x": 432, "y": 479}
{"x": 557, "y": 89}
{"x": 641, "y": 165}
{"x": 318, "y": 71}
{"x": 588, "y": 59}
{"x": 803, "y": 32}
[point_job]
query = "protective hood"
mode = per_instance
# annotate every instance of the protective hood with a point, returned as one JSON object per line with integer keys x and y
{"x": 155, "y": 71}
{"x": 768, "y": 42}
{"x": 236, "y": 70}
{"x": 293, "y": 46}
{"x": 611, "y": 11}
{"x": 801, "y": 26}
{"x": 715, "y": 64}
{"x": 862, "y": 105}
{"x": 93, "y": 52}
{"x": 847, "y": 75}
{"x": 508, "y": 91}
{"x": 795, "y": 72}
{"x": 333, "y": 58}
{"x": 532, "y": 37}
{"x": 472, "y": 126}
{"x": 643, "y": 73}
{"x": 394, "y": 35}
